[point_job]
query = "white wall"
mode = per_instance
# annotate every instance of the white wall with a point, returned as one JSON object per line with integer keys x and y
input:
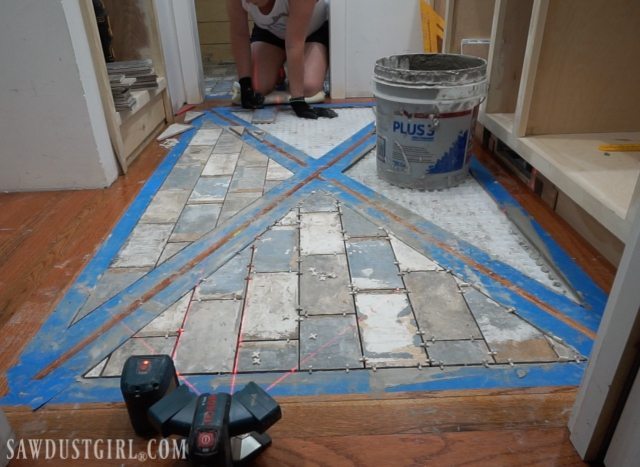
{"x": 363, "y": 31}
{"x": 52, "y": 125}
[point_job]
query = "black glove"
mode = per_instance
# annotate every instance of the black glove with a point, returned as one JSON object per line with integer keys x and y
{"x": 248, "y": 97}
{"x": 304, "y": 110}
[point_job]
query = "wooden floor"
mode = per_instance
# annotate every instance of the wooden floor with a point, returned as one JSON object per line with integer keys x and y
{"x": 47, "y": 238}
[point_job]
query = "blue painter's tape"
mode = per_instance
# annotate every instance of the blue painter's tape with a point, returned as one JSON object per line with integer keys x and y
{"x": 107, "y": 390}
{"x": 354, "y": 155}
{"x": 218, "y": 117}
{"x": 594, "y": 296}
{"x": 521, "y": 376}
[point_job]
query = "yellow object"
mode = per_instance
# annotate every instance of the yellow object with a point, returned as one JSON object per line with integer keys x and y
{"x": 619, "y": 147}
{"x": 432, "y": 28}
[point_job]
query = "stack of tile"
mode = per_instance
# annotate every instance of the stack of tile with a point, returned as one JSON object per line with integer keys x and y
{"x": 121, "y": 90}
{"x": 130, "y": 75}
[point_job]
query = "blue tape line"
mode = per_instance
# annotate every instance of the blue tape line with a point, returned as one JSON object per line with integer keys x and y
{"x": 500, "y": 293}
{"x": 346, "y": 161}
{"x": 270, "y": 152}
{"x": 593, "y": 295}
{"x": 107, "y": 390}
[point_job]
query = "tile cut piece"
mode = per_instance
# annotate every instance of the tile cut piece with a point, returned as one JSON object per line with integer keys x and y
{"x": 320, "y": 234}
{"x": 195, "y": 221}
{"x": 276, "y": 251}
{"x": 439, "y": 306}
{"x": 144, "y": 246}
{"x": 389, "y": 332}
{"x": 459, "y": 352}
{"x": 330, "y": 343}
{"x": 137, "y": 346}
{"x": 169, "y": 321}
{"x": 410, "y": 259}
{"x": 372, "y": 264}
{"x": 173, "y": 130}
{"x": 208, "y": 343}
{"x": 270, "y": 307}
{"x": 508, "y": 334}
{"x": 268, "y": 356}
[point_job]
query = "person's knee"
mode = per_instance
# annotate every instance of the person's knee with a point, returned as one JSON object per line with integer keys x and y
{"x": 313, "y": 86}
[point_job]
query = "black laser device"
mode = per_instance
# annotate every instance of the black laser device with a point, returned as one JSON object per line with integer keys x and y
{"x": 209, "y": 442}
{"x": 158, "y": 404}
{"x": 145, "y": 380}
{"x": 252, "y": 410}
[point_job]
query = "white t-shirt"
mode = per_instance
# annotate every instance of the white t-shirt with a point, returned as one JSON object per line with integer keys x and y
{"x": 276, "y": 20}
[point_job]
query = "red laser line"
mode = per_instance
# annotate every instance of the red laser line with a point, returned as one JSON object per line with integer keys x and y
{"x": 310, "y": 356}
{"x": 240, "y": 341}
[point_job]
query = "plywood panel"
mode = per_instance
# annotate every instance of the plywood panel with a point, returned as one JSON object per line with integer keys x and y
{"x": 587, "y": 74}
{"x": 471, "y": 19}
{"x": 211, "y": 10}
{"x": 216, "y": 53}
{"x": 509, "y": 43}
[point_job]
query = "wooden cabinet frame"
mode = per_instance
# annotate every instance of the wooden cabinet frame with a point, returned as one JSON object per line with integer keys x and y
{"x": 130, "y": 131}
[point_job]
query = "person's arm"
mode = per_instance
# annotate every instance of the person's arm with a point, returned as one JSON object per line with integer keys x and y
{"x": 239, "y": 36}
{"x": 241, "y": 50}
{"x": 300, "y": 12}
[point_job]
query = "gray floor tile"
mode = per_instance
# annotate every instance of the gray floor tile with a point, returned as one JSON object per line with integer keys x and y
{"x": 195, "y": 155}
{"x": 373, "y": 265}
{"x": 236, "y": 202}
{"x": 210, "y": 190}
{"x": 357, "y": 226}
{"x": 144, "y": 246}
{"x": 248, "y": 179}
{"x": 96, "y": 371}
{"x": 507, "y": 334}
{"x": 166, "y": 206}
{"x": 330, "y": 342}
{"x": 290, "y": 219}
{"x": 251, "y": 157}
{"x": 319, "y": 202}
{"x": 195, "y": 221}
{"x": 459, "y": 352}
{"x": 169, "y": 321}
{"x": 171, "y": 249}
{"x": 389, "y": 333}
{"x": 270, "y": 185}
{"x": 439, "y": 306}
{"x": 208, "y": 343}
{"x": 206, "y": 137}
{"x": 277, "y": 251}
{"x": 228, "y": 144}
{"x": 108, "y": 285}
{"x": 324, "y": 285}
{"x": 277, "y": 172}
{"x": 270, "y": 307}
{"x": 228, "y": 282}
{"x": 320, "y": 234}
{"x": 268, "y": 356}
{"x": 220, "y": 164}
{"x": 137, "y": 346}
{"x": 410, "y": 259}
{"x": 182, "y": 177}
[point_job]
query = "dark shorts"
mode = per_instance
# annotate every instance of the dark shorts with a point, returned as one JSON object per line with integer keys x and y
{"x": 321, "y": 35}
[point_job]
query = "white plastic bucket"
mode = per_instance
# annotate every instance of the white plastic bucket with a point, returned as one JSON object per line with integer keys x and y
{"x": 426, "y": 107}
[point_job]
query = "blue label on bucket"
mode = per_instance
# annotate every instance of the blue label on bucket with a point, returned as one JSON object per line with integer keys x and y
{"x": 454, "y": 158}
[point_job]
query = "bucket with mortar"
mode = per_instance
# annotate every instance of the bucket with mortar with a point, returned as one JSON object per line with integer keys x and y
{"x": 426, "y": 107}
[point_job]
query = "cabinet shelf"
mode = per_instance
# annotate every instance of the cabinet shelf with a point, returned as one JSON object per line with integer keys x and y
{"x": 562, "y": 81}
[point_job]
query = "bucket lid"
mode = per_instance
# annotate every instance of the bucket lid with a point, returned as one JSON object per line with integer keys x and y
{"x": 431, "y": 69}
